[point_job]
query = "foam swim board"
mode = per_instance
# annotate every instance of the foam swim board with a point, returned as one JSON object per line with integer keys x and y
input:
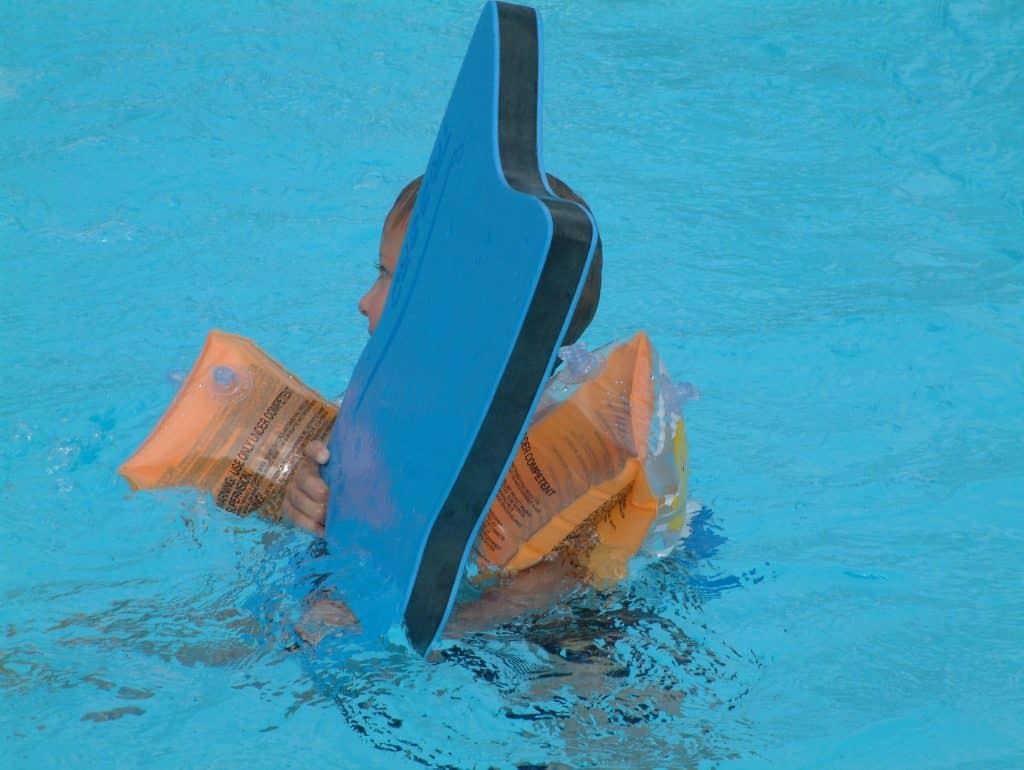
{"x": 488, "y": 277}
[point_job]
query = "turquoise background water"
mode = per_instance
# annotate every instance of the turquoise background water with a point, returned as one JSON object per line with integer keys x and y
{"x": 816, "y": 209}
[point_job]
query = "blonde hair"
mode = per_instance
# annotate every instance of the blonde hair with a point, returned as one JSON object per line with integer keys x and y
{"x": 586, "y": 308}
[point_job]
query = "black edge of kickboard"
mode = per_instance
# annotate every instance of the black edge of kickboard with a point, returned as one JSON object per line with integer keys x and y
{"x": 546, "y": 318}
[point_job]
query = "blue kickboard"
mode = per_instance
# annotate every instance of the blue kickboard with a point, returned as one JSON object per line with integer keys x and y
{"x": 488, "y": 277}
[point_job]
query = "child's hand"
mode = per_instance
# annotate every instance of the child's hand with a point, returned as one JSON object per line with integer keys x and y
{"x": 305, "y": 500}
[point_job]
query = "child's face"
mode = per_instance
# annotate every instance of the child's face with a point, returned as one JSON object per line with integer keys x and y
{"x": 372, "y": 303}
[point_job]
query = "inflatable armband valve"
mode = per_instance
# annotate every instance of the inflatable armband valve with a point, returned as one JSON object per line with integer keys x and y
{"x": 237, "y": 428}
{"x": 580, "y": 363}
{"x": 489, "y": 274}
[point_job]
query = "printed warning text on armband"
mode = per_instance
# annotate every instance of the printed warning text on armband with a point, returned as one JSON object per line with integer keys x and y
{"x": 259, "y": 429}
{"x": 513, "y": 506}
{"x": 230, "y": 495}
{"x": 489, "y": 541}
{"x": 286, "y": 435}
{"x": 239, "y": 492}
{"x": 520, "y": 484}
{"x": 531, "y": 463}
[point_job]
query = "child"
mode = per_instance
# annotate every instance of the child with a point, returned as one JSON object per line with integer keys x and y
{"x": 305, "y": 503}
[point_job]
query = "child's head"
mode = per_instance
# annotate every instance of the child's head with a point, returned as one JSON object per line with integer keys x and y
{"x": 397, "y": 222}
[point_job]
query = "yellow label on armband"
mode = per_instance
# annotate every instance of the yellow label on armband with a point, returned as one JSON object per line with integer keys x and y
{"x": 680, "y": 448}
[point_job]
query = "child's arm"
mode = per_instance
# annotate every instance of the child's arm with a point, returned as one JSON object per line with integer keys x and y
{"x": 305, "y": 500}
{"x": 535, "y": 588}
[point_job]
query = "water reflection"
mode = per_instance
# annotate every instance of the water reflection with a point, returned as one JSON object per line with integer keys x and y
{"x": 603, "y": 679}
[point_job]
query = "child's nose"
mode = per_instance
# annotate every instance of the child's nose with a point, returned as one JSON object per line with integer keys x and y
{"x": 363, "y": 306}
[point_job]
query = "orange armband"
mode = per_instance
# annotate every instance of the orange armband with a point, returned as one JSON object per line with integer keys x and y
{"x": 600, "y": 473}
{"x": 237, "y": 429}
{"x": 601, "y": 462}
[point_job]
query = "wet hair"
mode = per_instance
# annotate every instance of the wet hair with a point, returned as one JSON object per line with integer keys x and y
{"x": 401, "y": 212}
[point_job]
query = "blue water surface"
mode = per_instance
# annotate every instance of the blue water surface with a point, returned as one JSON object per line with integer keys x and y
{"x": 815, "y": 208}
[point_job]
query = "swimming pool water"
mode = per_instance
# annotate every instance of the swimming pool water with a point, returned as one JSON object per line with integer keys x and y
{"x": 816, "y": 209}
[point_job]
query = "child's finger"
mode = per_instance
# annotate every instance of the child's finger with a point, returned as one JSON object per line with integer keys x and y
{"x": 307, "y": 523}
{"x": 312, "y": 525}
{"x": 317, "y": 452}
{"x": 307, "y": 481}
{"x": 303, "y": 510}
{"x": 304, "y": 505}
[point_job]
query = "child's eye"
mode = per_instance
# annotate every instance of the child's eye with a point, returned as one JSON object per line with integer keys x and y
{"x": 382, "y": 270}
